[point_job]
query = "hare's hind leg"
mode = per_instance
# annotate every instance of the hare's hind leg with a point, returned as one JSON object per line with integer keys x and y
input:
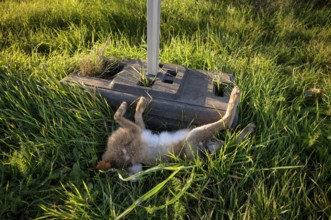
{"x": 249, "y": 129}
{"x": 206, "y": 132}
{"x": 138, "y": 117}
{"x": 118, "y": 117}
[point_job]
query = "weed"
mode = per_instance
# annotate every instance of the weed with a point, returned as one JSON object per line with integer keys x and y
{"x": 143, "y": 78}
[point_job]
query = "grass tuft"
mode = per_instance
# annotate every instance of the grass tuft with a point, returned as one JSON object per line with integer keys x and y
{"x": 97, "y": 64}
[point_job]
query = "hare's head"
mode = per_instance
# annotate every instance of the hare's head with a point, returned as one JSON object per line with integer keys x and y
{"x": 103, "y": 165}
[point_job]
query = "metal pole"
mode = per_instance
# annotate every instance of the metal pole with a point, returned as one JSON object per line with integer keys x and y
{"x": 153, "y": 35}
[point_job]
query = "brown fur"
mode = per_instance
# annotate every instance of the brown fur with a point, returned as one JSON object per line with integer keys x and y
{"x": 126, "y": 146}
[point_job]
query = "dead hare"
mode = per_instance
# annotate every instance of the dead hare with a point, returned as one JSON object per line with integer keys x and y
{"x": 132, "y": 145}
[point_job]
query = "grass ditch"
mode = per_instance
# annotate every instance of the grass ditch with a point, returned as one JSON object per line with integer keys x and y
{"x": 51, "y": 135}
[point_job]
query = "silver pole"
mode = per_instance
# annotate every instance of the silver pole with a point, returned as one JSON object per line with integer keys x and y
{"x": 153, "y": 35}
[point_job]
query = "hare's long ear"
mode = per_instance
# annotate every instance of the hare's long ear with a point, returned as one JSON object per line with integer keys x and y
{"x": 138, "y": 117}
{"x": 103, "y": 165}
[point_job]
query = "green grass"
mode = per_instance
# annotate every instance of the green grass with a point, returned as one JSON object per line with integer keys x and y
{"x": 52, "y": 135}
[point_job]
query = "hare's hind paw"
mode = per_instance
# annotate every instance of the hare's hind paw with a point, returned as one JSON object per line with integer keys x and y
{"x": 233, "y": 103}
{"x": 214, "y": 145}
{"x": 250, "y": 128}
{"x": 235, "y": 93}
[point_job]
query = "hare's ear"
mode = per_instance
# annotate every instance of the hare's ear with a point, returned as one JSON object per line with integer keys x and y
{"x": 103, "y": 165}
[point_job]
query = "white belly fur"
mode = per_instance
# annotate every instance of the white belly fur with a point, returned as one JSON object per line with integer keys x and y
{"x": 160, "y": 144}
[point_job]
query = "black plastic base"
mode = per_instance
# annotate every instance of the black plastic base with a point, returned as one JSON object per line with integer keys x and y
{"x": 179, "y": 97}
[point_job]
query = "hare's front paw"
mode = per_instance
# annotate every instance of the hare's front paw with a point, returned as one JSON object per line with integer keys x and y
{"x": 123, "y": 106}
{"x": 120, "y": 111}
{"x": 141, "y": 105}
